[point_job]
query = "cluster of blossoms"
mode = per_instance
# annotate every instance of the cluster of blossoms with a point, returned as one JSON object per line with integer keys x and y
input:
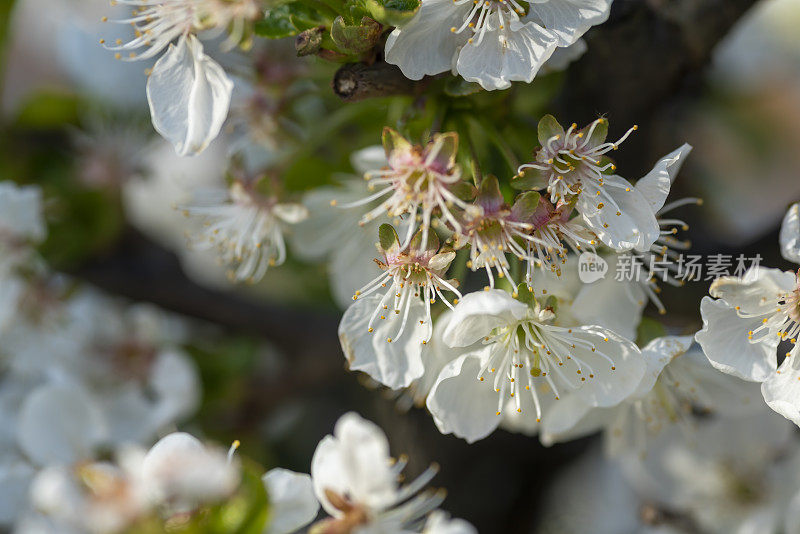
{"x": 88, "y": 382}
{"x": 82, "y": 373}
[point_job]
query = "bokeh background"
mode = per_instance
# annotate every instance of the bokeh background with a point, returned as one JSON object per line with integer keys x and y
{"x": 75, "y": 122}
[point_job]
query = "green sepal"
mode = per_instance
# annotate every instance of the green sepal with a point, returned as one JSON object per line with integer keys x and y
{"x": 355, "y": 39}
{"x": 530, "y": 179}
{"x": 525, "y": 206}
{"x": 549, "y": 127}
{"x": 392, "y": 12}
{"x": 458, "y": 86}
{"x": 387, "y": 238}
{"x": 430, "y": 246}
{"x": 524, "y": 294}
{"x": 599, "y": 133}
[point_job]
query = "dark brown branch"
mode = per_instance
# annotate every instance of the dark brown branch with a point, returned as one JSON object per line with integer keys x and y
{"x": 358, "y": 81}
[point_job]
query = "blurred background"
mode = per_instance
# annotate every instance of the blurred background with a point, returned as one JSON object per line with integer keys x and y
{"x": 75, "y": 122}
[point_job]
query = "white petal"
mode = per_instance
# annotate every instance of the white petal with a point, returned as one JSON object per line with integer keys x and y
{"x": 291, "y": 500}
{"x": 756, "y": 292}
{"x": 790, "y": 234}
{"x": 563, "y": 57}
{"x": 608, "y": 387}
{"x": 175, "y": 381}
{"x": 425, "y": 45}
{"x": 460, "y": 403}
{"x": 291, "y": 213}
{"x": 503, "y": 56}
{"x": 439, "y": 523}
{"x": 569, "y": 19}
{"x": 354, "y": 462}
{"x": 479, "y": 313}
{"x": 611, "y": 304}
{"x": 635, "y": 227}
{"x": 571, "y": 418}
{"x": 655, "y": 185}
{"x": 59, "y": 425}
{"x": 189, "y": 96}
{"x": 368, "y": 159}
{"x": 395, "y": 364}
{"x": 782, "y": 389}
{"x": 657, "y": 354}
{"x": 15, "y": 478}
{"x": 725, "y": 343}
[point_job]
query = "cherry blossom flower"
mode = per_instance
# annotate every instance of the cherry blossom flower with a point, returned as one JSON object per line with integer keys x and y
{"x": 188, "y": 92}
{"x": 245, "y": 227}
{"x": 573, "y": 167}
{"x": 416, "y": 179}
{"x": 731, "y": 475}
{"x": 529, "y": 360}
{"x": 387, "y": 343}
{"x": 492, "y": 42}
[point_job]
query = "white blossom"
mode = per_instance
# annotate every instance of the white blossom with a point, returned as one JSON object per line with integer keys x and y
{"x": 245, "y": 227}
{"x": 492, "y": 42}
{"x": 572, "y": 165}
{"x": 529, "y": 361}
{"x": 744, "y": 328}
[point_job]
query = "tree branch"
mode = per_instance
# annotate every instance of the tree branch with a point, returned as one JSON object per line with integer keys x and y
{"x": 359, "y": 81}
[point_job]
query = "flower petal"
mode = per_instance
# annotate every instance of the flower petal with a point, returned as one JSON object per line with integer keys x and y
{"x": 503, "y": 56}
{"x": 460, "y": 403}
{"x": 480, "y": 312}
{"x": 655, "y": 185}
{"x": 790, "y": 234}
{"x": 725, "y": 343}
{"x": 570, "y": 19}
{"x": 425, "y": 45}
{"x": 189, "y": 95}
{"x": 291, "y": 500}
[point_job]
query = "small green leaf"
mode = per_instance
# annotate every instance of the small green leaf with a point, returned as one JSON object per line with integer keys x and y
{"x": 352, "y": 39}
{"x": 526, "y": 205}
{"x": 392, "y": 12}
{"x": 523, "y": 294}
{"x": 431, "y": 245}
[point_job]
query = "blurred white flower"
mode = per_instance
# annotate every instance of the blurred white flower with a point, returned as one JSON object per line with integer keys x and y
{"x": 731, "y": 475}
{"x": 790, "y": 234}
{"x": 180, "y": 473}
{"x": 291, "y": 500}
{"x": 244, "y": 227}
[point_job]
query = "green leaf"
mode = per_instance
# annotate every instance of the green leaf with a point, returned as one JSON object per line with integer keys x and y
{"x": 648, "y": 330}
{"x": 549, "y": 127}
{"x": 355, "y": 39}
{"x": 393, "y": 12}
